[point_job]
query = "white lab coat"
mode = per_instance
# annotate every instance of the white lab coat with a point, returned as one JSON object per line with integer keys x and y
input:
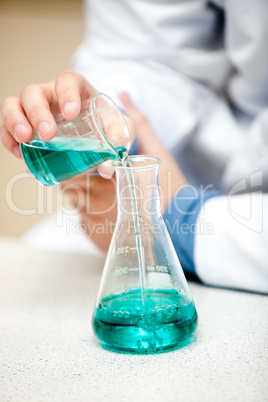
{"x": 199, "y": 72}
{"x": 180, "y": 61}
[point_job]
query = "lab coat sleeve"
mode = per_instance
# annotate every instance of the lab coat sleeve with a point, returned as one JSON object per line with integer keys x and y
{"x": 227, "y": 246}
{"x": 247, "y": 50}
{"x": 181, "y": 221}
{"x": 236, "y": 254}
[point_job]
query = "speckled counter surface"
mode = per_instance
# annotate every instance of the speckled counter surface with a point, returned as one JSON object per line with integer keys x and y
{"x": 48, "y": 351}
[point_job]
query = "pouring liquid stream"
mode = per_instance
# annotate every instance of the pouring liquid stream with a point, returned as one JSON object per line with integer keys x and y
{"x": 135, "y": 213}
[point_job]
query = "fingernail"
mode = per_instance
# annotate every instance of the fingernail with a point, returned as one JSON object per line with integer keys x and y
{"x": 106, "y": 175}
{"x": 43, "y": 128}
{"x": 19, "y": 130}
{"x": 16, "y": 151}
{"x": 106, "y": 170}
{"x": 68, "y": 107}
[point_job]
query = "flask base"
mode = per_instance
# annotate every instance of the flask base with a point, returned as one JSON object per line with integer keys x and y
{"x": 164, "y": 322}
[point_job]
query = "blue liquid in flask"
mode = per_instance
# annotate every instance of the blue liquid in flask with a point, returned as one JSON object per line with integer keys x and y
{"x": 123, "y": 322}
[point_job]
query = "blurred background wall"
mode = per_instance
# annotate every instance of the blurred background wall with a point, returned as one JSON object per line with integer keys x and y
{"x": 37, "y": 40}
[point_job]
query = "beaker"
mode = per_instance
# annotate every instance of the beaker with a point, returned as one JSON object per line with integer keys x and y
{"x": 144, "y": 304}
{"x": 98, "y": 133}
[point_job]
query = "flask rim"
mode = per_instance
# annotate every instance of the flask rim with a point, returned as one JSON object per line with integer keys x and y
{"x": 152, "y": 163}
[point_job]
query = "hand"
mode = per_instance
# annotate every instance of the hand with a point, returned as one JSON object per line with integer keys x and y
{"x": 32, "y": 110}
{"x": 95, "y": 199}
{"x": 98, "y": 209}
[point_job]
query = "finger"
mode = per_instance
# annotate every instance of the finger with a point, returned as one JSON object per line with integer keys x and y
{"x": 89, "y": 183}
{"x": 36, "y": 100}
{"x": 106, "y": 170}
{"x": 87, "y": 179}
{"x": 70, "y": 89}
{"x": 15, "y": 120}
{"x": 9, "y": 142}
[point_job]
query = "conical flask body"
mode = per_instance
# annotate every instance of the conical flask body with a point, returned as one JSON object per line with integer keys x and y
{"x": 144, "y": 304}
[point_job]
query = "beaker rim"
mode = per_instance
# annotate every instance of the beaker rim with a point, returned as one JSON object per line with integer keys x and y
{"x": 152, "y": 162}
{"x": 119, "y": 113}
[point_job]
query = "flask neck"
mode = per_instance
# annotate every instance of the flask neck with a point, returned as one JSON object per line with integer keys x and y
{"x": 138, "y": 188}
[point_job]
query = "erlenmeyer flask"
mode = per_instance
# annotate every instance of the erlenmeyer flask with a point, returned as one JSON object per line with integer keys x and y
{"x": 144, "y": 304}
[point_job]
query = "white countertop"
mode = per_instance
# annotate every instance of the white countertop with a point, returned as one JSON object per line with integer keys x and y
{"x": 48, "y": 351}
